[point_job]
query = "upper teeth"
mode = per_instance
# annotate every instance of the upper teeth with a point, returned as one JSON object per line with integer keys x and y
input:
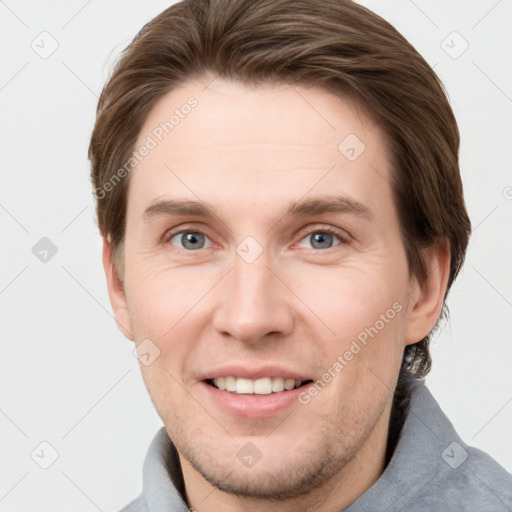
{"x": 263, "y": 386}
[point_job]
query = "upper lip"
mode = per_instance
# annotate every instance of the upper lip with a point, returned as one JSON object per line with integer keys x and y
{"x": 254, "y": 373}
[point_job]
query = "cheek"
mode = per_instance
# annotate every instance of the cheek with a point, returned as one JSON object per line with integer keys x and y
{"x": 349, "y": 299}
{"x": 364, "y": 315}
{"x": 363, "y": 346}
{"x": 165, "y": 304}
{"x": 163, "y": 383}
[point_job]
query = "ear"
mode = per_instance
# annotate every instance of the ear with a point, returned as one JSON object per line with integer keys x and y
{"x": 426, "y": 299}
{"x": 116, "y": 292}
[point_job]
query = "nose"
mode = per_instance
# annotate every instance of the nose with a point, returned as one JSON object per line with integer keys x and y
{"x": 254, "y": 304}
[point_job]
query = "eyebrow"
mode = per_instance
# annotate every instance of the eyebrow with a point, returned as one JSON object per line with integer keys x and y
{"x": 329, "y": 204}
{"x": 173, "y": 207}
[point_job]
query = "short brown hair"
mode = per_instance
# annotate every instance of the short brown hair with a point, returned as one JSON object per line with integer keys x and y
{"x": 336, "y": 45}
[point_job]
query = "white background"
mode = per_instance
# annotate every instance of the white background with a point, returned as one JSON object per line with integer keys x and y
{"x": 68, "y": 376}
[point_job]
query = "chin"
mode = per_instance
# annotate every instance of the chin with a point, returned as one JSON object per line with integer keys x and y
{"x": 288, "y": 482}
{"x": 282, "y": 472}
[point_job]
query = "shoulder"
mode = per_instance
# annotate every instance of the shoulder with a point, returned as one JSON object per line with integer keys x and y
{"x": 471, "y": 480}
{"x": 137, "y": 505}
{"x": 455, "y": 476}
{"x": 434, "y": 470}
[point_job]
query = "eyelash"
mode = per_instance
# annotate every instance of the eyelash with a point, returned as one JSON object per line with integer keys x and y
{"x": 343, "y": 236}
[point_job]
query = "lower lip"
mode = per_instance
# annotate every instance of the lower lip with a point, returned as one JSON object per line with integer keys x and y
{"x": 252, "y": 406}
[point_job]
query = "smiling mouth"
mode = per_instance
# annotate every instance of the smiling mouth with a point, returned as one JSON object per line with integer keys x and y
{"x": 262, "y": 386}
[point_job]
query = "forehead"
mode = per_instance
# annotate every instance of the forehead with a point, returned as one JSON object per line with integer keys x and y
{"x": 250, "y": 143}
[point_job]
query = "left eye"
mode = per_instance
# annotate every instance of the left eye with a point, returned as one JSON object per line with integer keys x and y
{"x": 320, "y": 240}
{"x": 190, "y": 240}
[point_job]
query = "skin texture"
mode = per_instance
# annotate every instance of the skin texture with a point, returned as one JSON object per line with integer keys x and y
{"x": 250, "y": 152}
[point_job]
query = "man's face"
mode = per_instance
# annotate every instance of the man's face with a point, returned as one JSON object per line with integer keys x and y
{"x": 260, "y": 292}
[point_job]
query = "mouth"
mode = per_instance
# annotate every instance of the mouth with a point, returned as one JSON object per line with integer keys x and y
{"x": 261, "y": 386}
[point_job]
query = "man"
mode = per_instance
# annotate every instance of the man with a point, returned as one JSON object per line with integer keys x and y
{"x": 279, "y": 195}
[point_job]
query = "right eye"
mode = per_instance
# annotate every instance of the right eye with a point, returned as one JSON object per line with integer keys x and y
{"x": 190, "y": 240}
